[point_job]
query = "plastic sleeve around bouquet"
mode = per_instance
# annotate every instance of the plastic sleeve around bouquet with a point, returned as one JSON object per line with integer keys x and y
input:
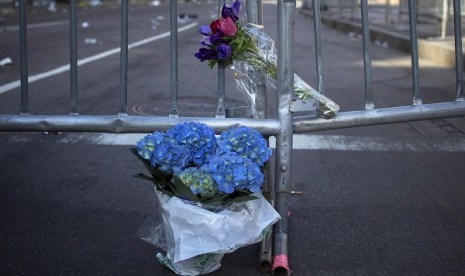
{"x": 259, "y": 65}
{"x": 196, "y": 236}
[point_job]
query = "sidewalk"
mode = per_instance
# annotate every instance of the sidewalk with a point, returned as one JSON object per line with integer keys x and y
{"x": 392, "y": 30}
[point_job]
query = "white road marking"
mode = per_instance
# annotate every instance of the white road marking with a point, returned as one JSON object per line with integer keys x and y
{"x": 364, "y": 143}
{"x": 36, "y": 25}
{"x": 15, "y": 84}
{"x": 298, "y": 4}
{"x": 300, "y": 142}
{"x": 123, "y": 139}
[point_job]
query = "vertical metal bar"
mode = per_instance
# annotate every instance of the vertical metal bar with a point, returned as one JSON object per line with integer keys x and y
{"x": 123, "y": 71}
{"x": 401, "y": 7}
{"x": 220, "y": 110}
{"x": 352, "y": 10}
{"x": 412, "y": 8}
{"x": 369, "y": 104}
{"x": 254, "y": 15}
{"x": 444, "y": 18}
{"x": 24, "y": 109}
{"x": 388, "y": 12}
{"x": 318, "y": 47}
{"x": 266, "y": 250}
{"x": 73, "y": 73}
{"x": 458, "y": 50}
{"x": 284, "y": 96}
{"x": 260, "y": 12}
{"x": 254, "y": 11}
{"x": 174, "y": 113}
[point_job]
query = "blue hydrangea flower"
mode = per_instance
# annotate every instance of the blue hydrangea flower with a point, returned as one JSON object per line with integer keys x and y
{"x": 169, "y": 157}
{"x": 198, "y": 180}
{"x": 147, "y": 144}
{"x": 197, "y": 137}
{"x": 246, "y": 142}
{"x": 232, "y": 171}
{"x": 254, "y": 178}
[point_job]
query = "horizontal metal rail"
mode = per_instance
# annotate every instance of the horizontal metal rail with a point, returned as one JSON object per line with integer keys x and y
{"x": 146, "y": 124}
{"x": 124, "y": 124}
{"x": 380, "y": 116}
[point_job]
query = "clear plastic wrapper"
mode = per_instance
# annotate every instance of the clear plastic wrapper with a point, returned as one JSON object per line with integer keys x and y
{"x": 195, "y": 237}
{"x": 260, "y": 66}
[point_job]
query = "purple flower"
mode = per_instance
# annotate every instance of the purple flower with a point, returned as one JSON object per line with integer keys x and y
{"x": 206, "y": 41}
{"x": 223, "y": 51}
{"x": 205, "y": 30}
{"x": 206, "y": 54}
{"x": 231, "y": 11}
{"x": 216, "y": 37}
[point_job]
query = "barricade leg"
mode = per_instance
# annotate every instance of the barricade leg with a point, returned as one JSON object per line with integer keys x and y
{"x": 284, "y": 94}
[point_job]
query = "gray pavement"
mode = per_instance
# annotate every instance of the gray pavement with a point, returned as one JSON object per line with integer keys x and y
{"x": 381, "y": 200}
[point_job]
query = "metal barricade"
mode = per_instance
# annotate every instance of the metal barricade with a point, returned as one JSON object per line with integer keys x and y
{"x": 433, "y": 7}
{"x": 417, "y": 111}
{"x": 282, "y": 127}
{"x": 441, "y": 11}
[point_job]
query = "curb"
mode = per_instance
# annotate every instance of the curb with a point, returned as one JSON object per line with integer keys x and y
{"x": 436, "y": 51}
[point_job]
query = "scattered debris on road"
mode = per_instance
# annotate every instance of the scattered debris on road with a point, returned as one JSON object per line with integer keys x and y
{"x": 6, "y": 61}
{"x": 90, "y": 40}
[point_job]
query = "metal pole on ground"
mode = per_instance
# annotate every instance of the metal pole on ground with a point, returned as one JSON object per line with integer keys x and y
{"x": 284, "y": 96}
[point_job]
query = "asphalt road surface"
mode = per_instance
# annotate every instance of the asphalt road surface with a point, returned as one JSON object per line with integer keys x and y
{"x": 381, "y": 200}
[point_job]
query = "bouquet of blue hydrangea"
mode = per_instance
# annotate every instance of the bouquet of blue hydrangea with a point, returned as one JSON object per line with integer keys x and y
{"x": 205, "y": 185}
{"x": 188, "y": 161}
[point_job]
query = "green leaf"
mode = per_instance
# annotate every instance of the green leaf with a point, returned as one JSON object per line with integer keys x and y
{"x": 243, "y": 198}
{"x": 143, "y": 176}
{"x": 238, "y": 192}
{"x": 183, "y": 190}
{"x": 166, "y": 192}
{"x": 159, "y": 185}
{"x": 214, "y": 199}
{"x": 168, "y": 187}
{"x": 134, "y": 151}
{"x": 212, "y": 63}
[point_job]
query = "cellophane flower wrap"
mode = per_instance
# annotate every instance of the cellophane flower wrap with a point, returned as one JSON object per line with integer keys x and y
{"x": 251, "y": 53}
{"x": 208, "y": 190}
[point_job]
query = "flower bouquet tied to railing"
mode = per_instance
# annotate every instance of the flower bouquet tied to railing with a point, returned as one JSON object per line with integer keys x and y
{"x": 251, "y": 53}
{"x": 209, "y": 193}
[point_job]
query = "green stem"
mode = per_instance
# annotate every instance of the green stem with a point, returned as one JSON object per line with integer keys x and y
{"x": 269, "y": 68}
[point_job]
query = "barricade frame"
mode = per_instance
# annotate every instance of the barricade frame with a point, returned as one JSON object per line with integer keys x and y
{"x": 282, "y": 127}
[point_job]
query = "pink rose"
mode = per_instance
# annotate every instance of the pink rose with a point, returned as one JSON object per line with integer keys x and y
{"x": 227, "y": 26}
